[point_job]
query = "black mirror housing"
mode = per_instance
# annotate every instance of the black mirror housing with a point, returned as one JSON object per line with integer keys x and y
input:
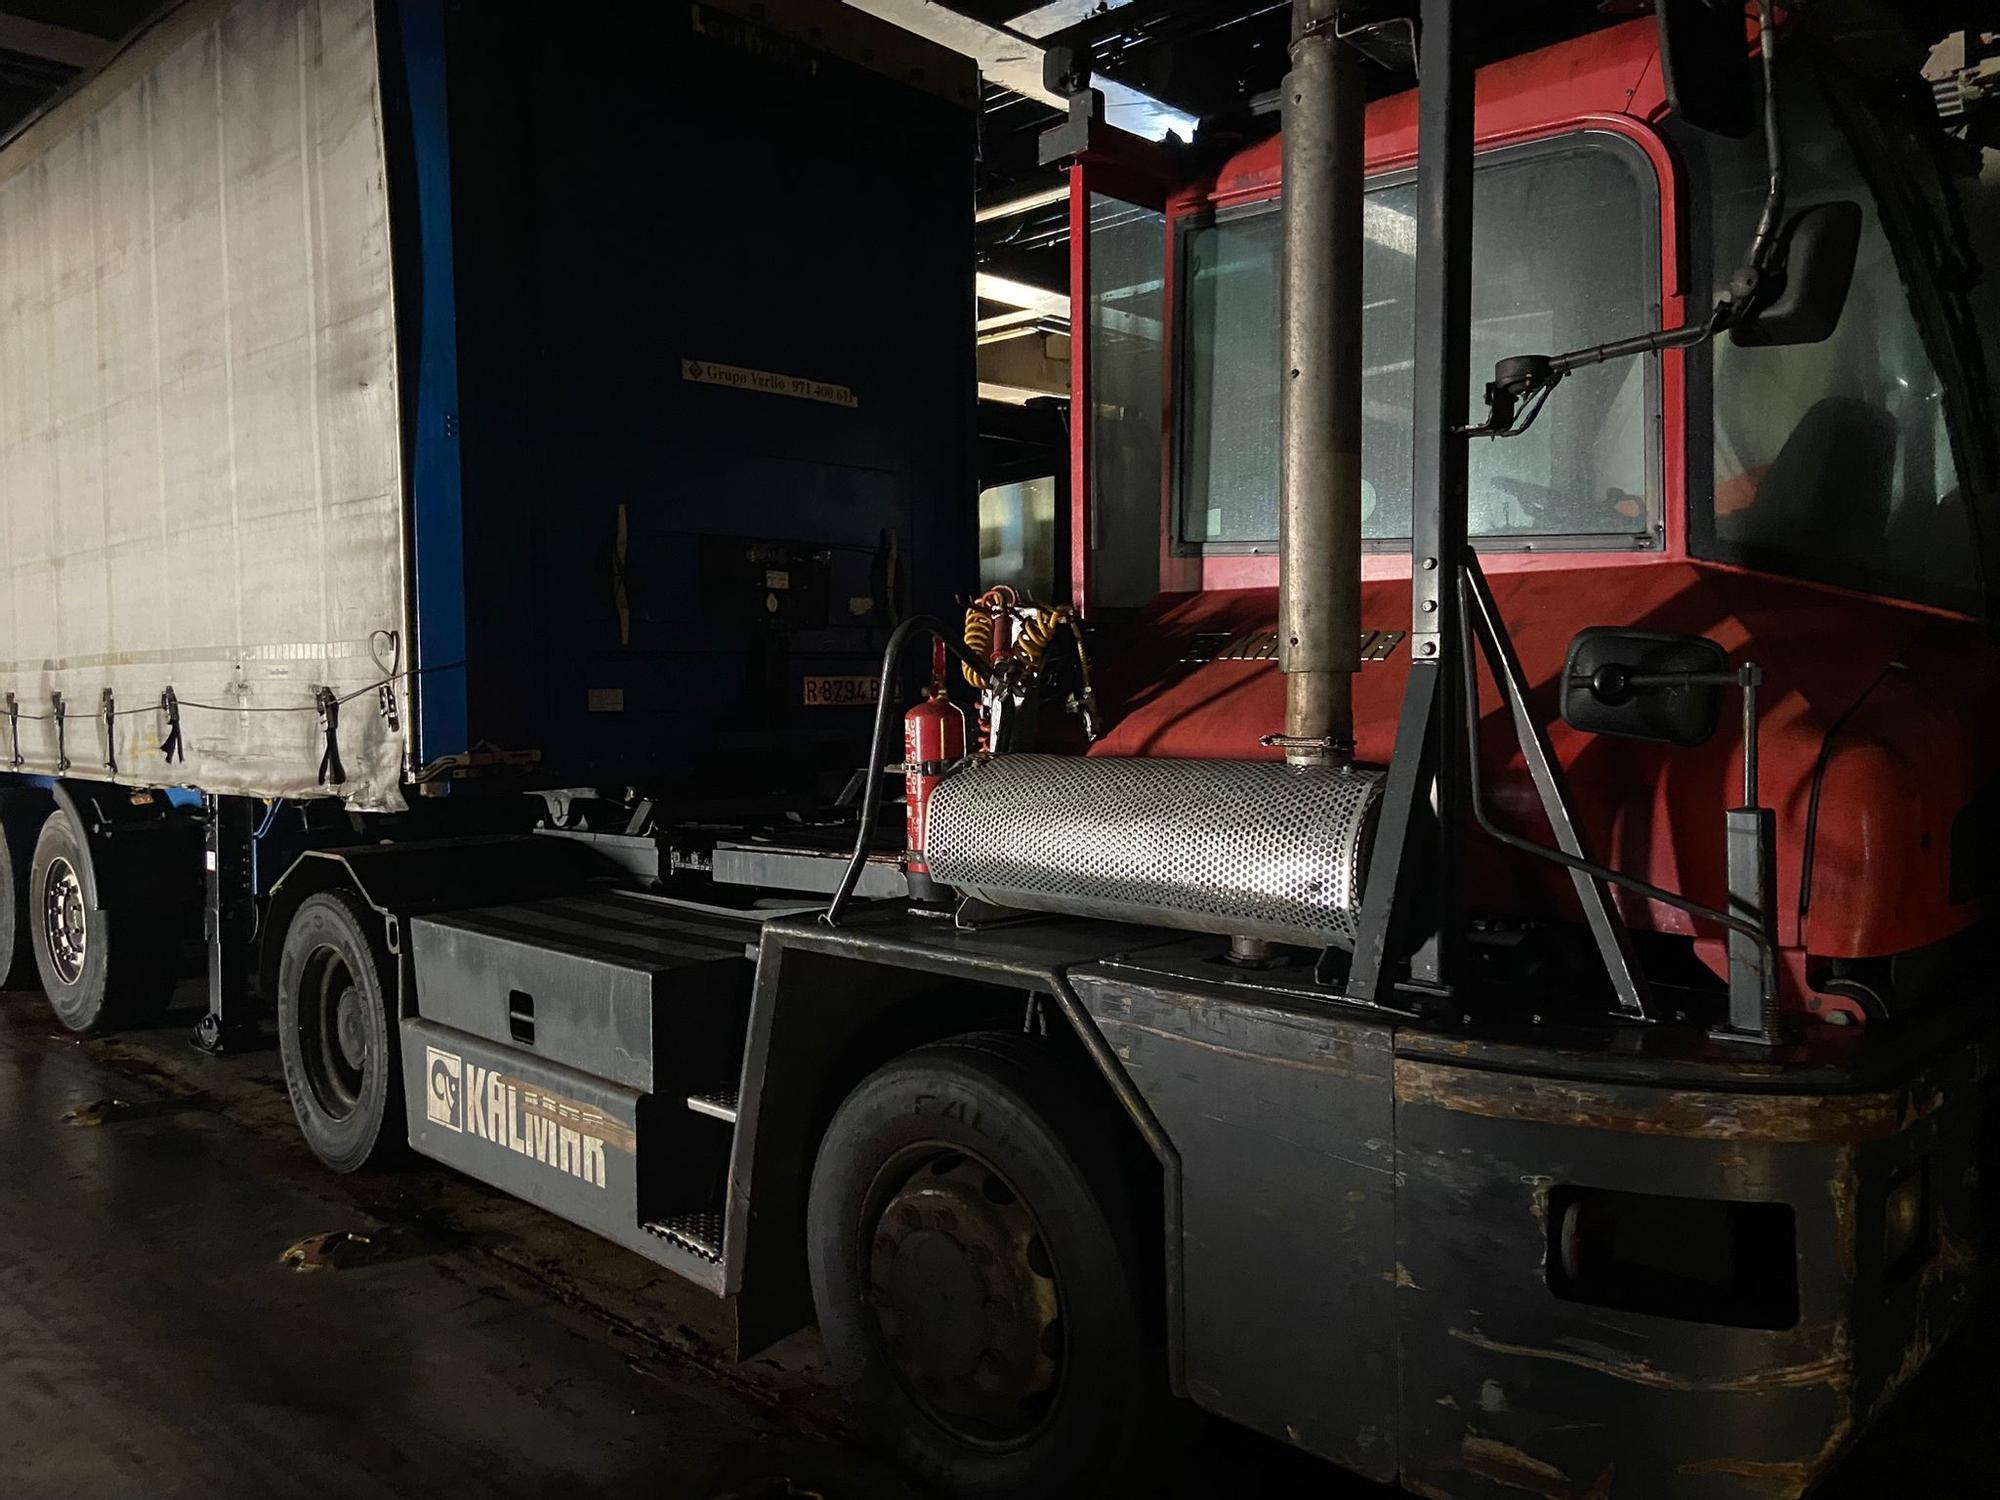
{"x": 1810, "y": 273}
{"x": 1705, "y": 57}
{"x": 1600, "y": 696}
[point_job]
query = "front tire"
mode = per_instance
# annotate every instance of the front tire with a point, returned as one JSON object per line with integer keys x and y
{"x": 337, "y": 1036}
{"x": 100, "y": 969}
{"x": 973, "y": 1256}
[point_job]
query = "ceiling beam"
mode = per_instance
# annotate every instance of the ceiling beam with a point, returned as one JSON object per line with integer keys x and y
{"x": 1060, "y": 15}
{"x": 58, "y": 44}
{"x": 1026, "y": 203}
{"x": 1015, "y": 62}
{"x": 1010, "y": 293}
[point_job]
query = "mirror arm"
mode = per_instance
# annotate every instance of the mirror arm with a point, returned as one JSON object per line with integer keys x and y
{"x": 1530, "y": 377}
{"x": 1756, "y": 261}
{"x": 1683, "y": 337}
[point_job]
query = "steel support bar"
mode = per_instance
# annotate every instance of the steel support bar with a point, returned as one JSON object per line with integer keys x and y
{"x": 1428, "y": 775}
{"x": 1391, "y": 887}
{"x": 1753, "y": 982}
{"x": 1614, "y": 942}
{"x": 1319, "y": 515}
{"x": 229, "y": 924}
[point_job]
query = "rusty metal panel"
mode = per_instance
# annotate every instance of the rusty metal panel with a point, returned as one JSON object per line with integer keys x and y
{"x": 200, "y": 468}
{"x": 1282, "y": 1119}
{"x": 1507, "y": 1388}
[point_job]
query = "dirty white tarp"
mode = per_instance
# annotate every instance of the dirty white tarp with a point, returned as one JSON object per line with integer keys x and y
{"x": 200, "y": 477}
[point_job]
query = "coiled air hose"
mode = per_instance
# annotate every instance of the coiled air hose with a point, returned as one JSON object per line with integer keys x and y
{"x": 878, "y": 746}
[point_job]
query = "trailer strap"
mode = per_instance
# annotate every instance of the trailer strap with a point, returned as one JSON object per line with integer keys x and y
{"x": 171, "y": 746}
{"x": 14, "y": 727}
{"x": 62, "y": 752}
{"x": 331, "y": 772}
{"x": 109, "y": 709}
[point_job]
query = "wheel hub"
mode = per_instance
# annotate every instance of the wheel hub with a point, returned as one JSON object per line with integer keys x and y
{"x": 965, "y": 1297}
{"x": 333, "y": 1023}
{"x": 65, "y": 920}
{"x": 351, "y": 1027}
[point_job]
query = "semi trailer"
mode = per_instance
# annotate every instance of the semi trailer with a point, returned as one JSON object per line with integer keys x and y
{"x": 408, "y": 404}
{"x": 1451, "y": 931}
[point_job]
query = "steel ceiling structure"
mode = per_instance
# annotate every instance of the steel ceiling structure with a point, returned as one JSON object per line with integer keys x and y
{"x": 47, "y": 46}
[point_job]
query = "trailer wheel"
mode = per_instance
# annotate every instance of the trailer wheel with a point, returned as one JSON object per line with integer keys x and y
{"x": 21, "y": 816}
{"x": 100, "y": 969}
{"x": 973, "y": 1262}
{"x": 336, "y": 1033}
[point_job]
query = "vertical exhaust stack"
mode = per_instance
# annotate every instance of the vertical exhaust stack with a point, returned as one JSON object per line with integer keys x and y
{"x": 1319, "y": 503}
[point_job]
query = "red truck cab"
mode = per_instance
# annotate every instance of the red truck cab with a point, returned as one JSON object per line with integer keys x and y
{"x": 1826, "y": 511}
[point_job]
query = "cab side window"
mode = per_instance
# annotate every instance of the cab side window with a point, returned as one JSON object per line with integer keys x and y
{"x": 1831, "y": 461}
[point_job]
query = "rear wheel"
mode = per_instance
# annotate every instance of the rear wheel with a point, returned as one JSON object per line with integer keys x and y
{"x": 22, "y": 814}
{"x": 99, "y": 968}
{"x": 336, "y": 1032}
{"x": 973, "y": 1262}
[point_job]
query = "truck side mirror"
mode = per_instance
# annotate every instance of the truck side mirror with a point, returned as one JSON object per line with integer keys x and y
{"x": 1633, "y": 683}
{"x": 1810, "y": 270}
{"x": 1705, "y": 57}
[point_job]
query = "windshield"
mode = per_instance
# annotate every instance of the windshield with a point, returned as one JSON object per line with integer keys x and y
{"x": 1565, "y": 254}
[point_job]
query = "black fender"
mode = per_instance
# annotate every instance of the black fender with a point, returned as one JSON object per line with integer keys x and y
{"x": 833, "y": 1003}
{"x": 401, "y": 880}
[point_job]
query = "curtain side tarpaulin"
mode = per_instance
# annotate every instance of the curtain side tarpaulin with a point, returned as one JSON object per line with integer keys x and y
{"x": 200, "y": 468}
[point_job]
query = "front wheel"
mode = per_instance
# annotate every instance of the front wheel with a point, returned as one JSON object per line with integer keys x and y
{"x": 337, "y": 1036}
{"x": 972, "y": 1251}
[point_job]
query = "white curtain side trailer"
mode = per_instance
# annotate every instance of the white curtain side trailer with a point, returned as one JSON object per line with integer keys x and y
{"x": 200, "y": 455}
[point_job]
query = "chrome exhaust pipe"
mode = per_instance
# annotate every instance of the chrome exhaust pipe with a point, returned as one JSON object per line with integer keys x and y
{"x": 1319, "y": 510}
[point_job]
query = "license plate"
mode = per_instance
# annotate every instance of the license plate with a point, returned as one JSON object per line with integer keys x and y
{"x": 841, "y": 692}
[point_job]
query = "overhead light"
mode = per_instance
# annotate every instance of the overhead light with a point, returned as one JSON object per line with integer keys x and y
{"x": 1026, "y": 203}
{"x": 1011, "y": 293}
{"x": 1060, "y": 15}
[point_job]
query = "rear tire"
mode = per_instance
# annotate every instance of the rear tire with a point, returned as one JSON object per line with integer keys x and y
{"x": 22, "y": 813}
{"x": 974, "y": 1263}
{"x": 337, "y": 1036}
{"x": 100, "y": 969}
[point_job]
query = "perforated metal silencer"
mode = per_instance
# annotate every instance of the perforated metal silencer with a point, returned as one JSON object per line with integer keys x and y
{"x": 1249, "y": 848}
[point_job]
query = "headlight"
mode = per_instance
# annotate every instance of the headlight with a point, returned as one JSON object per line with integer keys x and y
{"x": 1905, "y": 1216}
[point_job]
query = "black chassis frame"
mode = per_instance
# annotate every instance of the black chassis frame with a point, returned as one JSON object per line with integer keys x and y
{"x": 1355, "y": 1237}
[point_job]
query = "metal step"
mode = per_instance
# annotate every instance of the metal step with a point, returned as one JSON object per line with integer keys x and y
{"x": 718, "y": 1103}
{"x": 698, "y": 1233}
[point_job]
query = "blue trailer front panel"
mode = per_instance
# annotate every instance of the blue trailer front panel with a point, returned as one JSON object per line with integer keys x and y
{"x": 712, "y": 388}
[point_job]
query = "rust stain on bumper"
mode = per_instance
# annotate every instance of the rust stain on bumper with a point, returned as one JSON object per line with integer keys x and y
{"x": 1783, "y": 1476}
{"x": 1642, "y": 1110}
{"x": 1831, "y": 1371}
{"x": 1845, "y": 1188}
{"x": 1504, "y": 1464}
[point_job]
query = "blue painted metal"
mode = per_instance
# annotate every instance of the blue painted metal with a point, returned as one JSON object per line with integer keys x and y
{"x": 438, "y": 551}
{"x": 177, "y": 796}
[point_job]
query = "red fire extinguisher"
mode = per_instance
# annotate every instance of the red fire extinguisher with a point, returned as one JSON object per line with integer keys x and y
{"x": 934, "y": 739}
